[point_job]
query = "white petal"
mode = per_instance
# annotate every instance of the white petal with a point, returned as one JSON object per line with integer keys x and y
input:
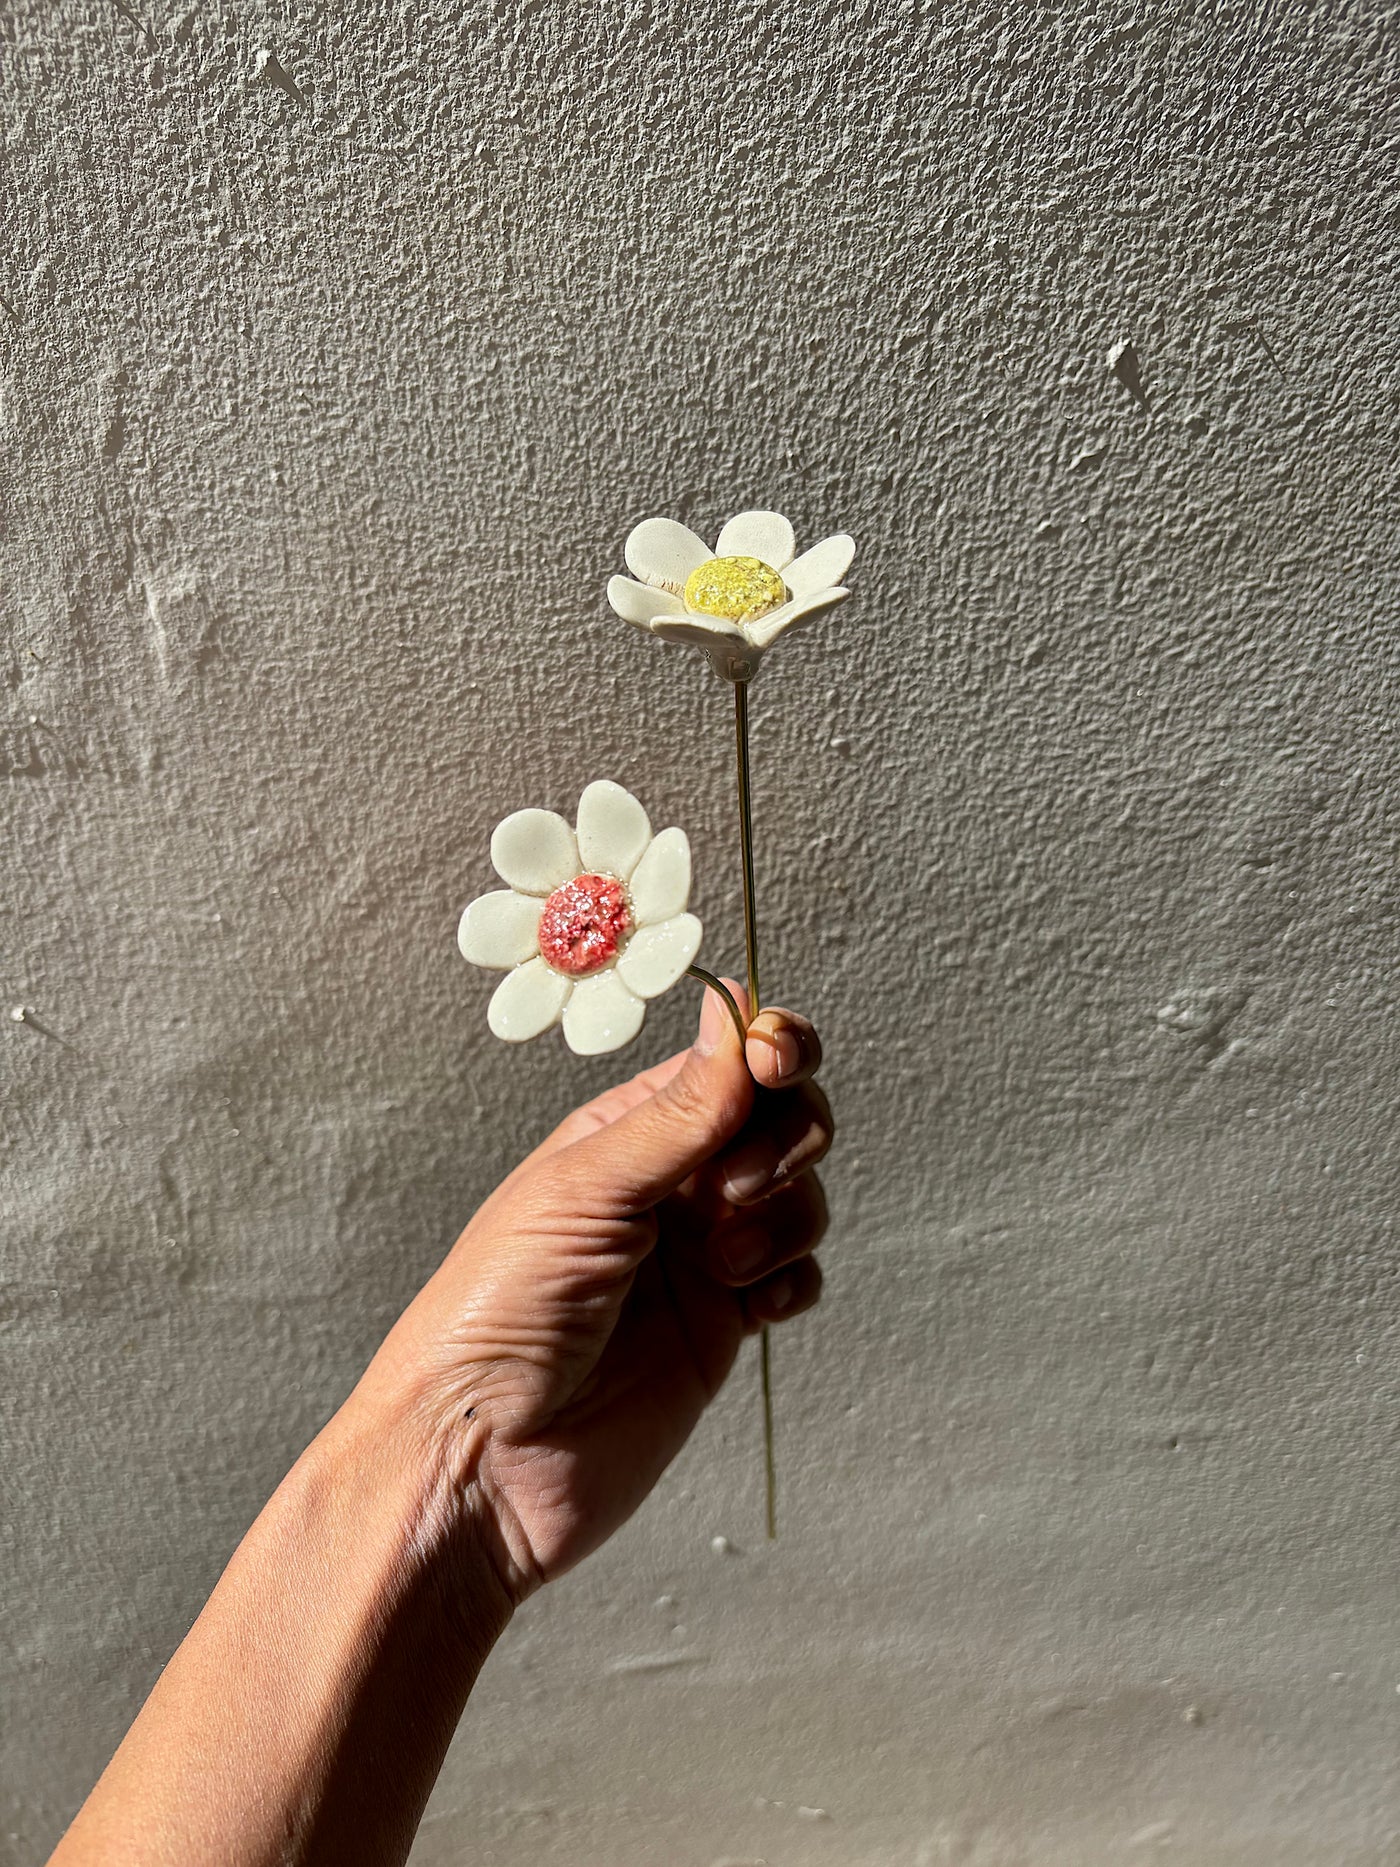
{"x": 660, "y": 885}
{"x": 500, "y": 929}
{"x": 702, "y": 630}
{"x": 767, "y": 629}
{"x": 731, "y": 654}
{"x": 765, "y": 535}
{"x": 613, "y": 830}
{"x": 528, "y": 1001}
{"x": 715, "y": 634}
{"x": 822, "y": 567}
{"x": 535, "y": 851}
{"x": 635, "y": 602}
{"x": 661, "y": 552}
{"x": 655, "y": 957}
{"x": 601, "y": 1015}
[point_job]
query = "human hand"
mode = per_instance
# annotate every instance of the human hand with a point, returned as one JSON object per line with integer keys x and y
{"x": 568, "y": 1344}
{"x": 519, "y": 1410}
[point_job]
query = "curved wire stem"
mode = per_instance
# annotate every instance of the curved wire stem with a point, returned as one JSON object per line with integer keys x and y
{"x": 718, "y": 985}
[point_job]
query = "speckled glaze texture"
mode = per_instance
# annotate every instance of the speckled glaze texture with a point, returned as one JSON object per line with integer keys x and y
{"x": 339, "y": 346}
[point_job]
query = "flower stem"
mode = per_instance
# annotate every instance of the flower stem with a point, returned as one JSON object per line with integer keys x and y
{"x": 718, "y": 985}
{"x": 765, "y": 1347}
{"x": 741, "y": 747}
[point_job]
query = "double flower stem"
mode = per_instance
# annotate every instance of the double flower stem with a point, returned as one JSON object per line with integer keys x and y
{"x": 765, "y": 1350}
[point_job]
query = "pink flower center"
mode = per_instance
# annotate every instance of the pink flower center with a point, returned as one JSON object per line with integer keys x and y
{"x": 584, "y": 924}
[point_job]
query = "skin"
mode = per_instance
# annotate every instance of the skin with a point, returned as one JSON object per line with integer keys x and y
{"x": 518, "y": 1412}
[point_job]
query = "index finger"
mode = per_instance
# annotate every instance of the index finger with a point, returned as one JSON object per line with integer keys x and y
{"x": 782, "y": 1048}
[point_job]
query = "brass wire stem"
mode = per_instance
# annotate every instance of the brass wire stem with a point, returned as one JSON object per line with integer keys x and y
{"x": 770, "y": 1467}
{"x": 718, "y": 985}
{"x": 765, "y": 1347}
{"x": 741, "y": 748}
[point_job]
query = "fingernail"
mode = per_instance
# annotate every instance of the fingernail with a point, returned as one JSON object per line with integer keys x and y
{"x": 714, "y": 1016}
{"x": 778, "y": 1294}
{"x": 778, "y": 1036}
{"x": 745, "y": 1251}
{"x": 749, "y": 1172}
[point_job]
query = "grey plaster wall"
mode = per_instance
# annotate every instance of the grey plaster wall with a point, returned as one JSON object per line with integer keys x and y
{"x": 341, "y": 346}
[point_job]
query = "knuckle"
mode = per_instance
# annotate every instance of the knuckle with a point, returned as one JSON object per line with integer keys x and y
{"x": 812, "y": 1144}
{"x": 684, "y": 1099}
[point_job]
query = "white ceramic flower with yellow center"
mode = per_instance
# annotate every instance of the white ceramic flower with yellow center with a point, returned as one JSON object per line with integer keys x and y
{"x": 734, "y": 601}
{"x": 591, "y": 924}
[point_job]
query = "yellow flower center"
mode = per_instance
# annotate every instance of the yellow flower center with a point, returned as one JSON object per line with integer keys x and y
{"x": 739, "y": 589}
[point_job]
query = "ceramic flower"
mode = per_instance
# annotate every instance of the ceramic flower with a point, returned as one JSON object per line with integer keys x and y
{"x": 591, "y": 924}
{"x": 734, "y": 601}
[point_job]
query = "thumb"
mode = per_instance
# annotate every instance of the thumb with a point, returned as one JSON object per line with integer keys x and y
{"x": 647, "y": 1153}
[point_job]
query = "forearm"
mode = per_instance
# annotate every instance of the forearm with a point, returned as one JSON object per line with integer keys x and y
{"x": 518, "y": 1412}
{"x": 305, "y": 1716}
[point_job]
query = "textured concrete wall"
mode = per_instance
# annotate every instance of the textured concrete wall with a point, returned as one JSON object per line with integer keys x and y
{"x": 340, "y": 348}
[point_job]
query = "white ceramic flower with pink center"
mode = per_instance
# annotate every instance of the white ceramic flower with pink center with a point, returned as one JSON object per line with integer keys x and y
{"x": 734, "y": 601}
{"x": 591, "y": 924}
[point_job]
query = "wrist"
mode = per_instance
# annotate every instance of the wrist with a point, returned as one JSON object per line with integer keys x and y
{"x": 441, "y": 1419}
{"x": 439, "y": 1537}
{"x": 308, "y": 1710}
